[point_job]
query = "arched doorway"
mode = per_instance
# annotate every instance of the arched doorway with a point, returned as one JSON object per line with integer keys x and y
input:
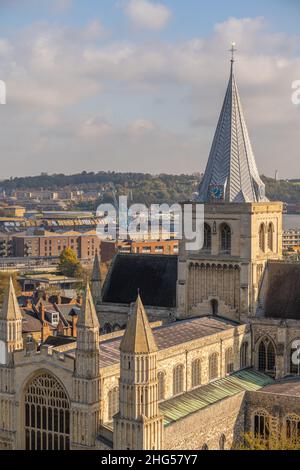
{"x": 47, "y": 414}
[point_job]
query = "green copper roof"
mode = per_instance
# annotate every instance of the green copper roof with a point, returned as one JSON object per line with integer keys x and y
{"x": 195, "y": 400}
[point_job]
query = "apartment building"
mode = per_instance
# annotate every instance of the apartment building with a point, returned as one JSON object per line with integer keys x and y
{"x": 42, "y": 243}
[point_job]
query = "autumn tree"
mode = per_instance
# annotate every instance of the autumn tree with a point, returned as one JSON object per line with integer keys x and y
{"x": 275, "y": 441}
{"x": 69, "y": 264}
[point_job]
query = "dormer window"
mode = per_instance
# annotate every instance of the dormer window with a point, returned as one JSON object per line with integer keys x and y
{"x": 54, "y": 318}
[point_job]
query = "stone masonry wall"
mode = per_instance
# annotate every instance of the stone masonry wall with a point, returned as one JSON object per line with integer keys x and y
{"x": 224, "y": 417}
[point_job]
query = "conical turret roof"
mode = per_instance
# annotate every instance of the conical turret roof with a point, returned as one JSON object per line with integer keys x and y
{"x": 138, "y": 337}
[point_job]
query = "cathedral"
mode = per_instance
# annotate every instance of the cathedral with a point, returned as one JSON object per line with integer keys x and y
{"x": 187, "y": 352}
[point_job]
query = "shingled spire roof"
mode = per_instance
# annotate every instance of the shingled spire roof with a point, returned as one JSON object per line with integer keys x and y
{"x": 10, "y": 309}
{"x": 96, "y": 274}
{"x": 231, "y": 174}
{"x": 138, "y": 337}
{"x": 88, "y": 316}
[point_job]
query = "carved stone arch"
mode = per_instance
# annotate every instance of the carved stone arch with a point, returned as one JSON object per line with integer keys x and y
{"x": 264, "y": 337}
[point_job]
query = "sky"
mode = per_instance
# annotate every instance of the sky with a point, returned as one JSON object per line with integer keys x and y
{"x": 138, "y": 85}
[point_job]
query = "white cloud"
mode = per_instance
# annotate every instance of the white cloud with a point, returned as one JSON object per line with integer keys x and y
{"x": 62, "y": 5}
{"x": 140, "y": 127}
{"x": 95, "y": 127}
{"x": 94, "y": 30}
{"x": 160, "y": 100}
{"x": 147, "y": 14}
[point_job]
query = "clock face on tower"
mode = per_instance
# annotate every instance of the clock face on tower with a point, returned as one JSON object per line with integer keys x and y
{"x": 2, "y": 352}
{"x": 216, "y": 192}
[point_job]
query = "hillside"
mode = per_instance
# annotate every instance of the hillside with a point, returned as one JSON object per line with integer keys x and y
{"x": 140, "y": 187}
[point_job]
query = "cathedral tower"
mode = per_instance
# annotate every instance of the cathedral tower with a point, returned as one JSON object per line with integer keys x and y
{"x": 86, "y": 382}
{"x": 242, "y": 229}
{"x": 138, "y": 425}
{"x": 10, "y": 325}
{"x": 10, "y": 341}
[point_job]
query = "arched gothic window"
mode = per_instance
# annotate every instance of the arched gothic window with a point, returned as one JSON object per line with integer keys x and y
{"x": 270, "y": 237}
{"x": 207, "y": 237}
{"x": 196, "y": 373}
{"x": 295, "y": 358}
{"x": 244, "y": 355}
{"x": 261, "y": 424}
{"x": 178, "y": 379}
{"x": 161, "y": 385}
{"x": 262, "y": 237}
{"x": 47, "y": 414}
{"x": 213, "y": 366}
{"x": 113, "y": 403}
{"x": 293, "y": 427}
{"x": 266, "y": 356}
{"x": 229, "y": 366}
{"x": 225, "y": 238}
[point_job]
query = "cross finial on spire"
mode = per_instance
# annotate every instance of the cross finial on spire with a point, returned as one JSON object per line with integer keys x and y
{"x": 233, "y": 50}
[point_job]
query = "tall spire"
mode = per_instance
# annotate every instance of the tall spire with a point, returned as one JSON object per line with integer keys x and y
{"x": 88, "y": 317}
{"x": 96, "y": 274}
{"x": 231, "y": 173}
{"x": 10, "y": 309}
{"x": 11, "y": 321}
{"x": 138, "y": 337}
{"x": 96, "y": 280}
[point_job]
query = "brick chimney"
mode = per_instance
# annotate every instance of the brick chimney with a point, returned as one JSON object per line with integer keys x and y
{"x": 60, "y": 329}
{"x": 42, "y": 312}
{"x": 45, "y": 331}
{"x": 74, "y": 325}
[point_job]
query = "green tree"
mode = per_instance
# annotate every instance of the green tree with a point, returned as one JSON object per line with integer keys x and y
{"x": 276, "y": 441}
{"x": 69, "y": 264}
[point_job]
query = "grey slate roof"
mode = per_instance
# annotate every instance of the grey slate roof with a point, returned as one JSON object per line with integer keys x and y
{"x": 168, "y": 336}
{"x": 231, "y": 165}
{"x": 154, "y": 275}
